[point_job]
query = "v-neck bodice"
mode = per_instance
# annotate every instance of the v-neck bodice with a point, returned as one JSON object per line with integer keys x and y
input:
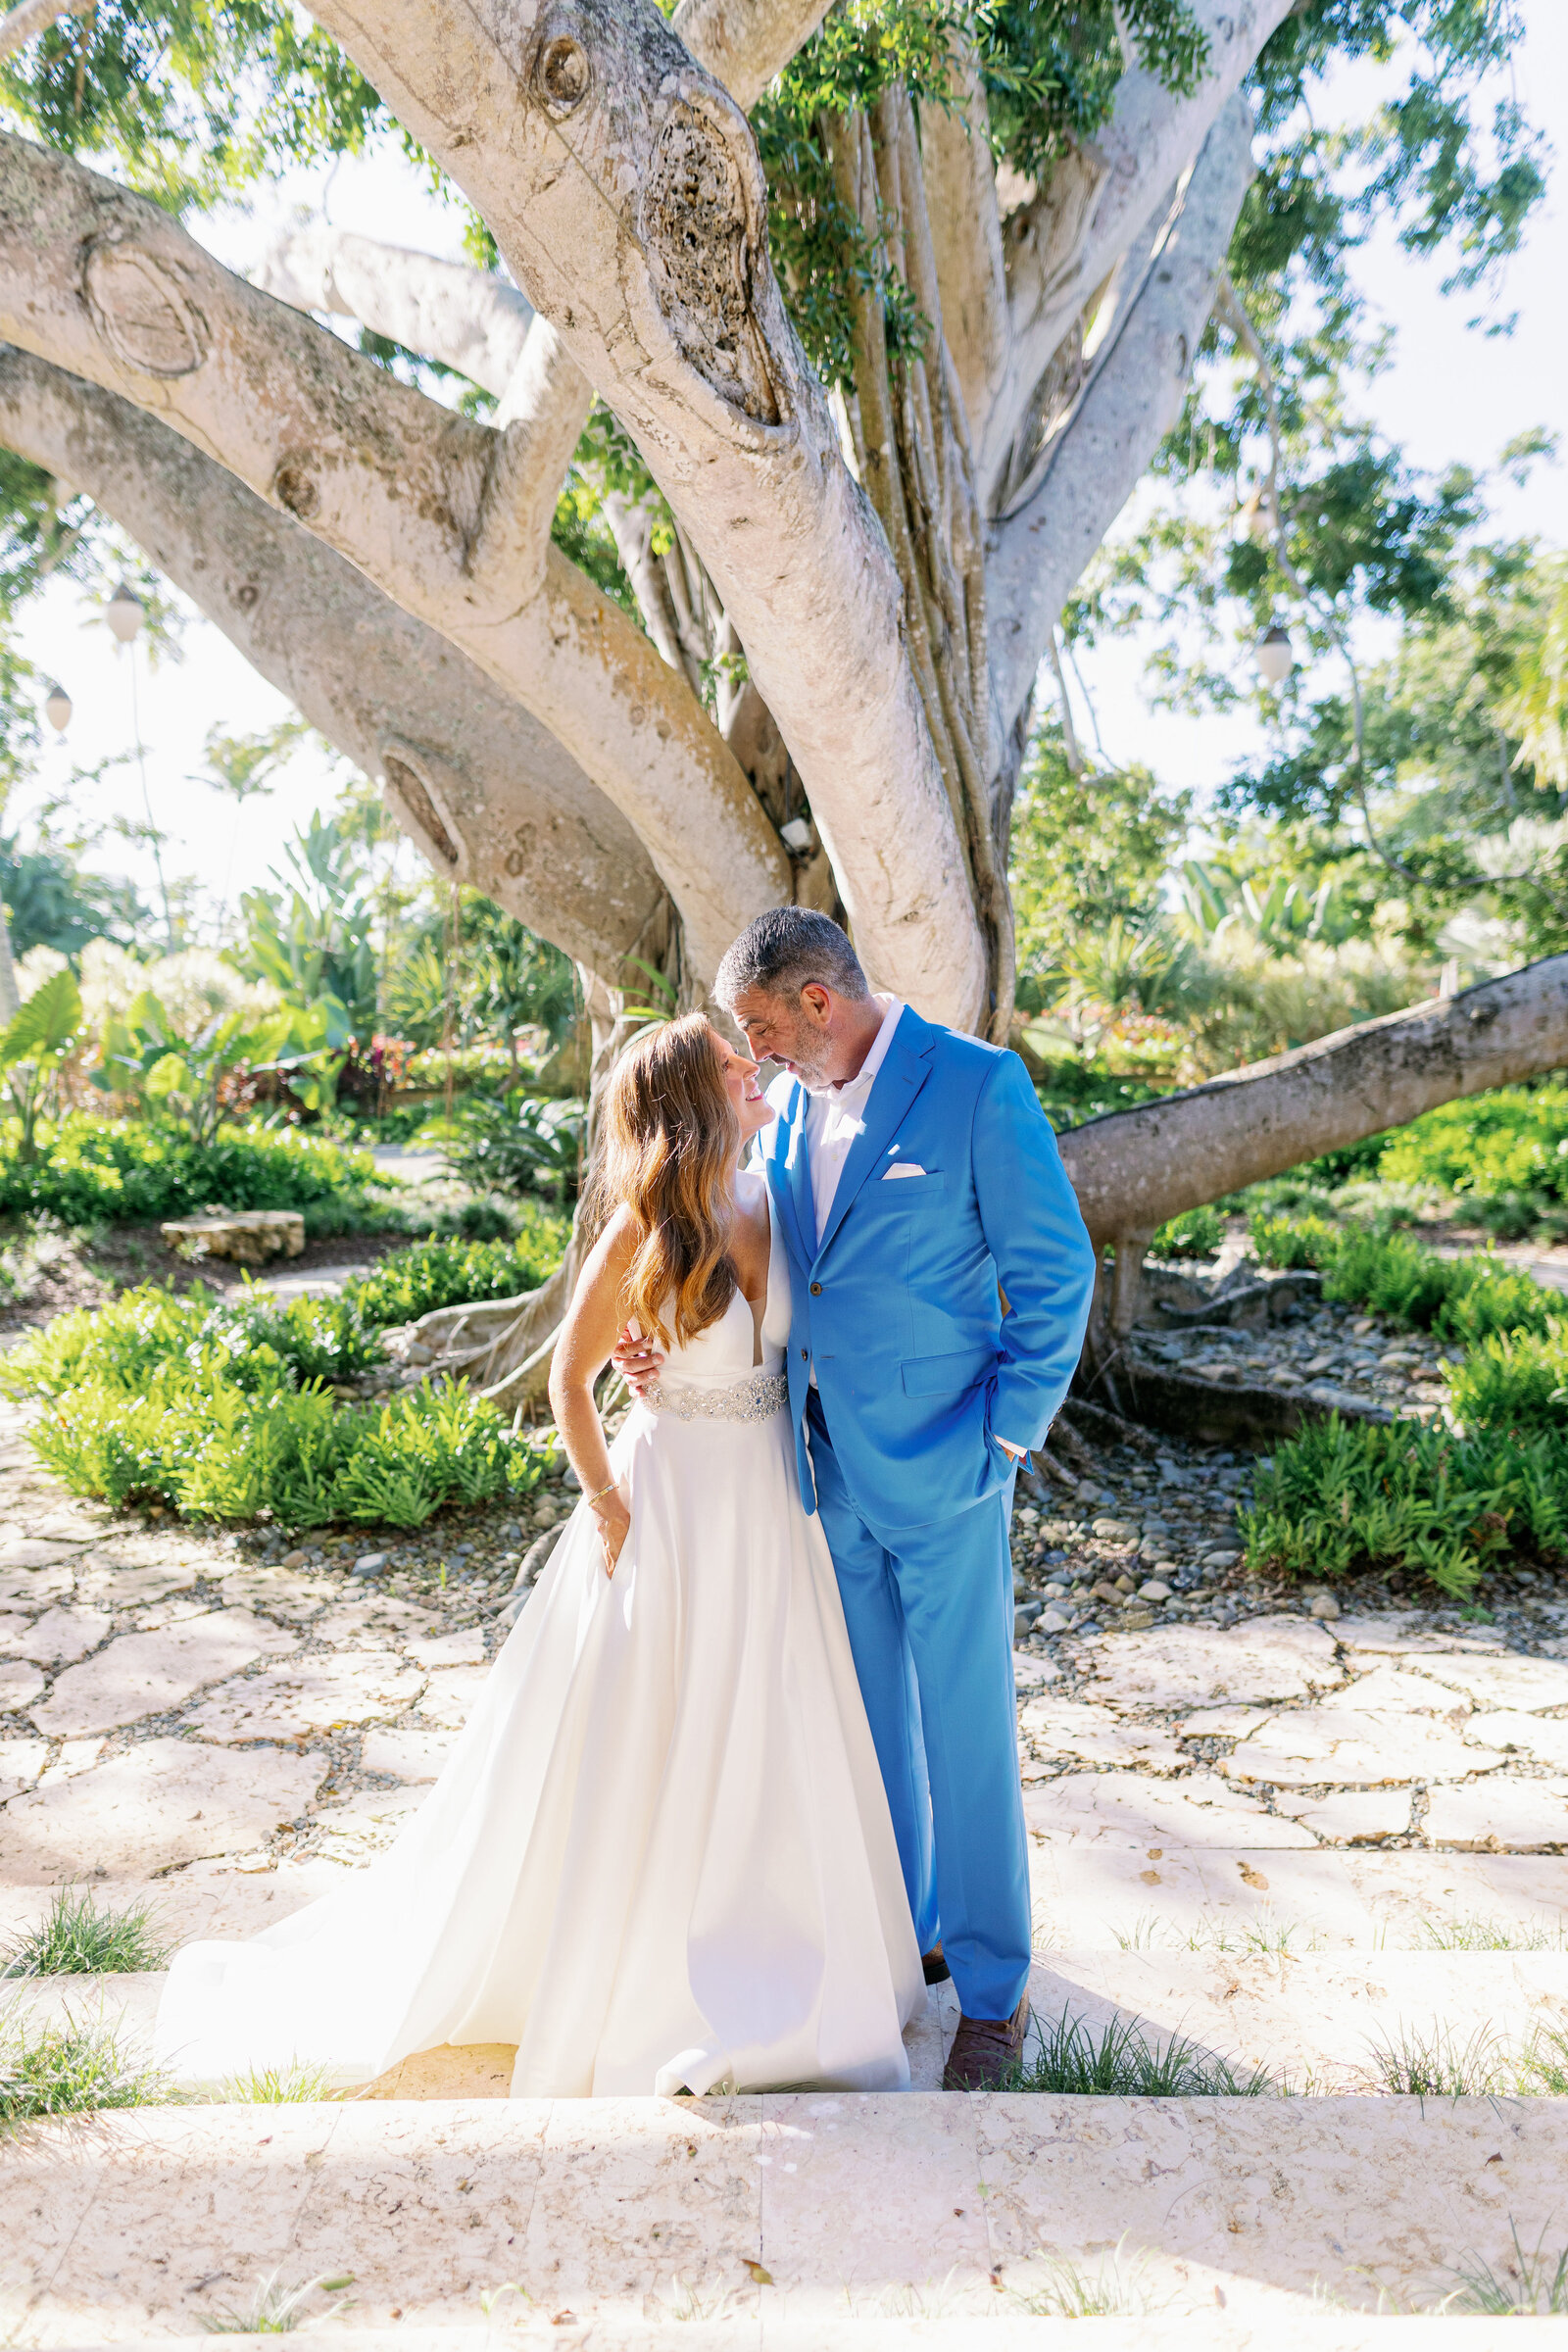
{"x": 724, "y": 1352}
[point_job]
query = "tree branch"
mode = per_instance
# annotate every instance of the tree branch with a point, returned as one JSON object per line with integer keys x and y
{"x": 580, "y": 139}
{"x": 1063, "y": 244}
{"x": 1134, "y": 1169}
{"x": 489, "y": 795}
{"x": 466, "y": 318}
{"x": 744, "y": 43}
{"x": 1099, "y": 455}
{"x": 100, "y": 281}
{"x": 24, "y": 23}
{"x": 960, "y": 195}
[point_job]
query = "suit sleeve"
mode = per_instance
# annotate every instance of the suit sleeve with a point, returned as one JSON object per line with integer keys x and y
{"x": 1045, "y": 1259}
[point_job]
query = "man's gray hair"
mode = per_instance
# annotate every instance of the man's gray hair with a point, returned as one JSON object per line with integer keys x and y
{"x": 785, "y": 950}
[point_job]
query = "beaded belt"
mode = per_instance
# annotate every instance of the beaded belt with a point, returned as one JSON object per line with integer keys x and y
{"x": 757, "y": 1397}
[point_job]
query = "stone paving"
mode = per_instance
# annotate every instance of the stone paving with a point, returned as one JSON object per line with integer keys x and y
{"x": 1294, "y": 1827}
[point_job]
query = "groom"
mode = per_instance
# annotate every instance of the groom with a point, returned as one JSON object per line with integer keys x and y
{"x": 941, "y": 1276}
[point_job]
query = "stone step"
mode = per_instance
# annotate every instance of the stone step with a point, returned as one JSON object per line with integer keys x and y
{"x": 1318, "y": 2023}
{"x": 1149, "y": 1892}
{"x": 813, "y": 2210}
{"x": 1286, "y": 2331}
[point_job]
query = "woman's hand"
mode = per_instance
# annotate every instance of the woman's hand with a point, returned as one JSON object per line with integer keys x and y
{"x": 614, "y": 1525}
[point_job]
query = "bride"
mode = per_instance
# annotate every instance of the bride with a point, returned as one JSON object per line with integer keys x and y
{"x": 660, "y": 1858}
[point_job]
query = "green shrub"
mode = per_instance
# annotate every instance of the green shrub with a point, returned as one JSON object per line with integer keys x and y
{"x": 1195, "y": 1233}
{"x": 211, "y": 1449}
{"x": 251, "y": 1343}
{"x": 1292, "y": 1242}
{"x": 100, "y": 1171}
{"x": 1345, "y": 1495}
{"x": 1514, "y": 1140}
{"x": 410, "y": 1282}
{"x": 1395, "y": 1275}
{"x": 1513, "y": 1380}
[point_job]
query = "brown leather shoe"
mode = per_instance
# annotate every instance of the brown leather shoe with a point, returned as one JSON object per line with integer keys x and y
{"x": 937, "y": 1970}
{"x": 985, "y": 2051}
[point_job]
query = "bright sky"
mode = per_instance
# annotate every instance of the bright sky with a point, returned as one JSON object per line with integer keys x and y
{"x": 1449, "y": 395}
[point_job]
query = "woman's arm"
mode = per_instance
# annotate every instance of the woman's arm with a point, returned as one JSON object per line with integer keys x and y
{"x": 582, "y": 1351}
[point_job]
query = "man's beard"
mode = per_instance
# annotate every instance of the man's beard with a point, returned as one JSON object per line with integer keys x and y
{"x": 808, "y": 1055}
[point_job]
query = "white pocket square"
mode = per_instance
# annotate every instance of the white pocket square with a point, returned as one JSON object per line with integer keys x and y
{"x": 902, "y": 1167}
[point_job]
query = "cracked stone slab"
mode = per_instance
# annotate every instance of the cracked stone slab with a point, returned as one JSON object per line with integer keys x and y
{"x": 1221, "y": 1723}
{"x": 1316, "y": 1746}
{"x": 310, "y": 1694}
{"x": 59, "y": 1637}
{"x": 1122, "y": 1809}
{"x": 1352, "y": 1816}
{"x": 148, "y": 1674}
{"x": 1195, "y": 1666}
{"x": 162, "y": 1802}
{"x": 21, "y": 1762}
{"x": 449, "y": 1696}
{"x": 367, "y": 1824}
{"x": 53, "y": 1551}
{"x": 33, "y": 1588}
{"x": 112, "y": 1586}
{"x": 1508, "y": 1681}
{"x": 1405, "y": 1633}
{"x": 1500, "y": 1816}
{"x": 465, "y": 1648}
{"x": 277, "y": 1592}
{"x": 1542, "y": 1736}
{"x": 19, "y": 1686}
{"x": 1391, "y": 1690}
{"x": 406, "y": 1756}
{"x": 1074, "y": 1728}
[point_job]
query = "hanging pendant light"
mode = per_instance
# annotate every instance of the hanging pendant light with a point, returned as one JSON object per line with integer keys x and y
{"x": 58, "y": 707}
{"x": 126, "y": 613}
{"x": 1274, "y": 656}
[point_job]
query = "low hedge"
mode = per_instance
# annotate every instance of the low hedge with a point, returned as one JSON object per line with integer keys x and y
{"x": 102, "y": 1171}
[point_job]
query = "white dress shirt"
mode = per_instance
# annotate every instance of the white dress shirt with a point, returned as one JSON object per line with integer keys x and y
{"x": 836, "y": 1114}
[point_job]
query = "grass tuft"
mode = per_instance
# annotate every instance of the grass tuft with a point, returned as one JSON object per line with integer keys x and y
{"x": 1117, "y": 2289}
{"x": 1470, "y": 1931}
{"x": 298, "y": 2085}
{"x": 76, "y": 1938}
{"x": 1118, "y": 2060}
{"x": 278, "y": 2310}
{"x": 1532, "y": 2285}
{"x": 1434, "y": 2066}
{"x": 71, "y": 2068}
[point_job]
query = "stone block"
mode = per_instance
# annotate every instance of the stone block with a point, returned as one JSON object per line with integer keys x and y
{"x": 451, "y": 1697}
{"x": 1500, "y": 1816}
{"x": 1121, "y": 1809}
{"x": 310, "y": 1695}
{"x": 406, "y": 1756}
{"x": 1057, "y": 1728}
{"x": 19, "y": 1684}
{"x": 1194, "y": 1666}
{"x": 1542, "y": 1736}
{"x": 248, "y": 1237}
{"x": 1303, "y": 1747}
{"x": 1352, "y": 1816}
{"x": 1501, "y": 1681}
{"x": 21, "y": 1762}
{"x": 165, "y": 1803}
{"x": 59, "y": 1637}
{"x": 149, "y": 1674}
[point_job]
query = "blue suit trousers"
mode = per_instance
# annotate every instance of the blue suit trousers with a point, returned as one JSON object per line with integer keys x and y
{"x": 929, "y": 1612}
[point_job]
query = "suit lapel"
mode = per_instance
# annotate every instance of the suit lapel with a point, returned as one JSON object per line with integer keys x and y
{"x": 895, "y": 1087}
{"x": 789, "y": 1176}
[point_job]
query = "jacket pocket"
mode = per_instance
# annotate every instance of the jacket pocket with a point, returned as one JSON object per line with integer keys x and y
{"x": 948, "y": 1375}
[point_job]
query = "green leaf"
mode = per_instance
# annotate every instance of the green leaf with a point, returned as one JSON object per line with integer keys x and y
{"x": 45, "y": 1024}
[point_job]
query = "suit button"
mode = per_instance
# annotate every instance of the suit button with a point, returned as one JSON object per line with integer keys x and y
{"x": 803, "y": 1355}
{"x": 816, "y": 1289}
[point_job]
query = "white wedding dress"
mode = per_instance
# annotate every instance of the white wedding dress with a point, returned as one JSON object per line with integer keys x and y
{"x": 659, "y": 1855}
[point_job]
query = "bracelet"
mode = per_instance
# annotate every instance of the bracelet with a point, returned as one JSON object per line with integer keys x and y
{"x": 591, "y": 1500}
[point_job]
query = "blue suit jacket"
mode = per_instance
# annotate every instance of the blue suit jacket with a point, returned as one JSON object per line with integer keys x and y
{"x": 898, "y": 1309}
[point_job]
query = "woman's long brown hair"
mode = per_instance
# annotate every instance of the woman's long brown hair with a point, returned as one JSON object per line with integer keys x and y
{"x": 667, "y": 1152}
